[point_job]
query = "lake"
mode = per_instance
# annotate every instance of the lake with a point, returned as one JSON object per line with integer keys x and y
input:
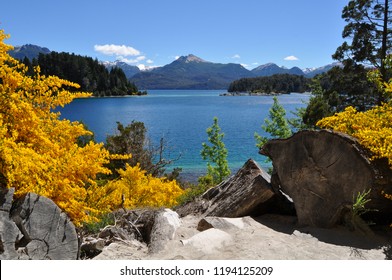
{"x": 182, "y": 117}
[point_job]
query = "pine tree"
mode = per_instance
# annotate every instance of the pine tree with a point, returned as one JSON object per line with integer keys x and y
{"x": 276, "y": 124}
{"x": 368, "y": 26}
{"x": 216, "y": 154}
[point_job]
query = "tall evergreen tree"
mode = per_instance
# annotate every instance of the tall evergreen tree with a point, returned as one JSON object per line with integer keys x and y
{"x": 88, "y": 73}
{"x": 276, "y": 125}
{"x": 216, "y": 153}
{"x": 369, "y": 26}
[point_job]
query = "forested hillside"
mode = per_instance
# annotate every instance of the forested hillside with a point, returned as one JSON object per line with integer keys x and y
{"x": 87, "y": 72}
{"x": 279, "y": 83}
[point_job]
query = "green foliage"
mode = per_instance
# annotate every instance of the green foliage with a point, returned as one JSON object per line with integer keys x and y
{"x": 216, "y": 154}
{"x": 87, "y": 72}
{"x": 338, "y": 88}
{"x": 316, "y": 110}
{"x": 276, "y": 125}
{"x": 192, "y": 192}
{"x": 279, "y": 83}
{"x": 369, "y": 30}
{"x": 368, "y": 27}
{"x": 132, "y": 139}
{"x": 359, "y": 203}
{"x": 103, "y": 221}
{"x": 297, "y": 122}
{"x": 83, "y": 140}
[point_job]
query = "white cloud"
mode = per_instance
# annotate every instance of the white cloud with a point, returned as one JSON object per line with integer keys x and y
{"x": 143, "y": 67}
{"x": 149, "y": 61}
{"x": 236, "y": 56}
{"x": 291, "y": 58}
{"x": 177, "y": 57}
{"x": 131, "y": 61}
{"x": 119, "y": 50}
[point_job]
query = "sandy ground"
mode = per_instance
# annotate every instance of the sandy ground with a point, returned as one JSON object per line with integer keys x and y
{"x": 268, "y": 237}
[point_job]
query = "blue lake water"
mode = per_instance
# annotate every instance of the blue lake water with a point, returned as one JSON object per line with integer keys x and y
{"x": 182, "y": 117}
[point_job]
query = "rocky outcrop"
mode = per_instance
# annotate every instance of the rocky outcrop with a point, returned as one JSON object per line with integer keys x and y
{"x": 322, "y": 171}
{"x": 34, "y": 227}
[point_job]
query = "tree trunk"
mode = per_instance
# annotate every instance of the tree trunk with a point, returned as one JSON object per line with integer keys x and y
{"x": 384, "y": 46}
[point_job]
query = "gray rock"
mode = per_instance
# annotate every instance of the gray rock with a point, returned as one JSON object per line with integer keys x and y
{"x": 92, "y": 246}
{"x": 209, "y": 241}
{"x": 225, "y": 224}
{"x": 125, "y": 250}
{"x": 322, "y": 171}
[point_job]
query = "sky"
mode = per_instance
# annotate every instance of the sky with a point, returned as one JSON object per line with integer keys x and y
{"x": 150, "y": 33}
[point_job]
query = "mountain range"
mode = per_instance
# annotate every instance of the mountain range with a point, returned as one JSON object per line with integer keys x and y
{"x": 192, "y": 72}
{"x": 29, "y": 51}
{"x": 187, "y": 72}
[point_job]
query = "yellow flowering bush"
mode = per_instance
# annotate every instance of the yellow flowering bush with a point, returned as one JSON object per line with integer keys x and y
{"x": 135, "y": 188}
{"x": 39, "y": 151}
{"x": 372, "y": 128}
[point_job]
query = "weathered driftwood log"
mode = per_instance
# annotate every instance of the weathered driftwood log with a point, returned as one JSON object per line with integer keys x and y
{"x": 35, "y": 228}
{"x": 322, "y": 171}
{"x": 166, "y": 223}
{"x": 248, "y": 192}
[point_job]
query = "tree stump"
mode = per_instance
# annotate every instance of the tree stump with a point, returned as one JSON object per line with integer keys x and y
{"x": 35, "y": 228}
{"x": 322, "y": 171}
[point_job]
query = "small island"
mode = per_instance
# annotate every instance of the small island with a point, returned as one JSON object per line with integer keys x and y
{"x": 251, "y": 94}
{"x": 269, "y": 85}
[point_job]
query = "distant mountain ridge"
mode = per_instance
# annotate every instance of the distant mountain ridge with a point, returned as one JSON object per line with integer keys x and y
{"x": 190, "y": 72}
{"x": 270, "y": 69}
{"x": 129, "y": 70}
{"x": 187, "y": 72}
{"x": 30, "y": 51}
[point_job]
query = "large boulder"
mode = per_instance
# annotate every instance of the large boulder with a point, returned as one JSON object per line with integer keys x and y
{"x": 322, "y": 171}
{"x": 35, "y": 228}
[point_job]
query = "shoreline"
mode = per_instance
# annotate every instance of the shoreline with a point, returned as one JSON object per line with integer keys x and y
{"x": 246, "y": 93}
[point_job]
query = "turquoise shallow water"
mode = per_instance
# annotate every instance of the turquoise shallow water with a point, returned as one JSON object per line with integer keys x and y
{"x": 182, "y": 117}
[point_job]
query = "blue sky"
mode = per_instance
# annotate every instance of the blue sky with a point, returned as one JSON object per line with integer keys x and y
{"x": 303, "y": 33}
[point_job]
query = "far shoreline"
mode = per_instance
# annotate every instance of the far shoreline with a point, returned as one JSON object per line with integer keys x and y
{"x": 261, "y": 93}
